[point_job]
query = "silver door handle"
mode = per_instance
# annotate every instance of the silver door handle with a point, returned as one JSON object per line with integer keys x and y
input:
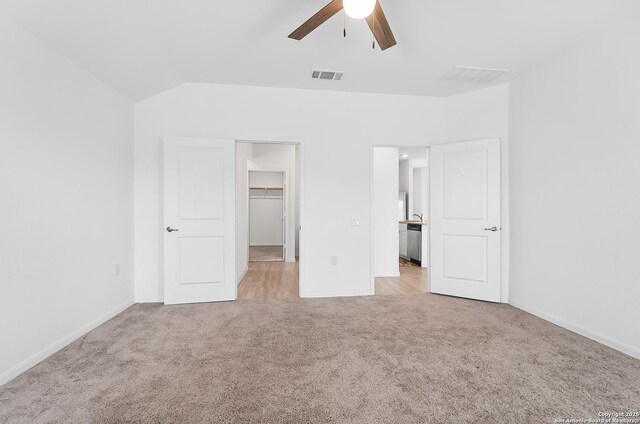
{"x": 170, "y": 230}
{"x": 491, "y": 229}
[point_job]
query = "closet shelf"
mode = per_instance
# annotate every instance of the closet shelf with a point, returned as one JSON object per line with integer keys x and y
{"x": 266, "y": 188}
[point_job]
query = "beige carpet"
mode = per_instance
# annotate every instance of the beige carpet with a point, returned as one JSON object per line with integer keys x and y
{"x": 387, "y": 359}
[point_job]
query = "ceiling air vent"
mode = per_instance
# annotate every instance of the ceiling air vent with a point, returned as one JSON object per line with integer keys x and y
{"x": 327, "y": 75}
{"x": 467, "y": 74}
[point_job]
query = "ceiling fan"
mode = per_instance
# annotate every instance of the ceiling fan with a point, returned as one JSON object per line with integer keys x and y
{"x": 358, "y": 9}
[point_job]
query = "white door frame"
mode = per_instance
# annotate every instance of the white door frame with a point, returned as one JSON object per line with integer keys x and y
{"x": 504, "y": 212}
{"x": 301, "y": 215}
{"x": 372, "y": 275}
{"x": 286, "y": 237}
{"x": 479, "y": 227}
{"x": 504, "y": 199}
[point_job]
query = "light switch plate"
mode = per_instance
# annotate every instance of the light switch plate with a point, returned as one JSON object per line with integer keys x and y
{"x": 355, "y": 221}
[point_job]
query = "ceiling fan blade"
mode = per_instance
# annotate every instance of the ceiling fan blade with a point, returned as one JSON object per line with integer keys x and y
{"x": 380, "y": 28}
{"x": 316, "y": 20}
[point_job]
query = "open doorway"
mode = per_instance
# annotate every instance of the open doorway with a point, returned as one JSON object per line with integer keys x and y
{"x": 267, "y": 216}
{"x": 267, "y": 219}
{"x": 400, "y": 216}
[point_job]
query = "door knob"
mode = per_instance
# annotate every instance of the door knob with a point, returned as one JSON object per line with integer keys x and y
{"x": 170, "y": 230}
{"x": 491, "y": 229}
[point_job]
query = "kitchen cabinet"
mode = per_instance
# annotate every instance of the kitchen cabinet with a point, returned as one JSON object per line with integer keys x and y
{"x": 403, "y": 241}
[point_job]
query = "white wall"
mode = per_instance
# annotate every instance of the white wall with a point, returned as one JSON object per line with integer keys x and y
{"x": 406, "y": 184}
{"x": 385, "y": 212}
{"x": 420, "y": 192}
{"x": 575, "y": 190}
{"x": 298, "y": 191}
{"x": 485, "y": 114}
{"x": 266, "y": 219}
{"x": 266, "y": 179}
{"x": 244, "y": 152}
{"x": 66, "y": 184}
{"x": 266, "y": 222}
{"x": 336, "y": 131}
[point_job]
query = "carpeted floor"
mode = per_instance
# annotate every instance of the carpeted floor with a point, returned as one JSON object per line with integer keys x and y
{"x": 387, "y": 359}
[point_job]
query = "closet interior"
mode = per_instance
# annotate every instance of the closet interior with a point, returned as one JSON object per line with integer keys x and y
{"x": 267, "y": 210}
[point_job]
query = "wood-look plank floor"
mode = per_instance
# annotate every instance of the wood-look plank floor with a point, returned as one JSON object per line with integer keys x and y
{"x": 270, "y": 280}
{"x": 412, "y": 280}
{"x": 279, "y": 280}
{"x": 406, "y": 262}
{"x": 265, "y": 253}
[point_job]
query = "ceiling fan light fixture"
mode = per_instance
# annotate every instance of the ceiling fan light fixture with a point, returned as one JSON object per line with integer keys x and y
{"x": 359, "y": 9}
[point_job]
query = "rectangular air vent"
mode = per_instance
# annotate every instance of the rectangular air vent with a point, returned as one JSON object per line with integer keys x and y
{"x": 327, "y": 75}
{"x": 468, "y": 74}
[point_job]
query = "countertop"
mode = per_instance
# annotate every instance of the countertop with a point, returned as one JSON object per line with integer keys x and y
{"x": 413, "y": 222}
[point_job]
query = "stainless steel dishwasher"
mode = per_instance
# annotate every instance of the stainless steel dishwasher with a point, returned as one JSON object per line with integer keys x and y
{"x": 414, "y": 242}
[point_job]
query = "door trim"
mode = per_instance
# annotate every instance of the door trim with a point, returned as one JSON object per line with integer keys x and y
{"x": 300, "y": 181}
{"x": 427, "y": 260}
{"x": 465, "y": 147}
{"x": 504, "y": 210}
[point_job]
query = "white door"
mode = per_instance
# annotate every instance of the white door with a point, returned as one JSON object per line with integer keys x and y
{"x": 199, "y": 220}
{"x": 284, "y": 216}
{"x": 465, "y": 219}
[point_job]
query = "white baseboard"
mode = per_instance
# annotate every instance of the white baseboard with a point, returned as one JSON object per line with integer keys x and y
{"x": 241, "y": 275}
{"x": 265, "y": 245}
{"x": 389, "y": 275}
{"x": 576, "y": 328}
{"x": 23, "y": 366}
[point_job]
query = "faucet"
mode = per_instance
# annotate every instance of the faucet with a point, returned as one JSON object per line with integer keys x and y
{"x": 419, "y": 216}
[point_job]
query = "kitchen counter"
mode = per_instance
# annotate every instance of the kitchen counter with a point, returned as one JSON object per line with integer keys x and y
{"x": 413, "y": 222}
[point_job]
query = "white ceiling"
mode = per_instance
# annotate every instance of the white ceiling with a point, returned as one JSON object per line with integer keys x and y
{"x": 143, "y": 47}
{"x": 414, "y": 153}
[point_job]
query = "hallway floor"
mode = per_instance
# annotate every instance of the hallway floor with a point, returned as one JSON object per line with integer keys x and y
{"x": 412, "y": 280}
{"x": 265, "y": 253}
{"x": 270, "y": 280}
